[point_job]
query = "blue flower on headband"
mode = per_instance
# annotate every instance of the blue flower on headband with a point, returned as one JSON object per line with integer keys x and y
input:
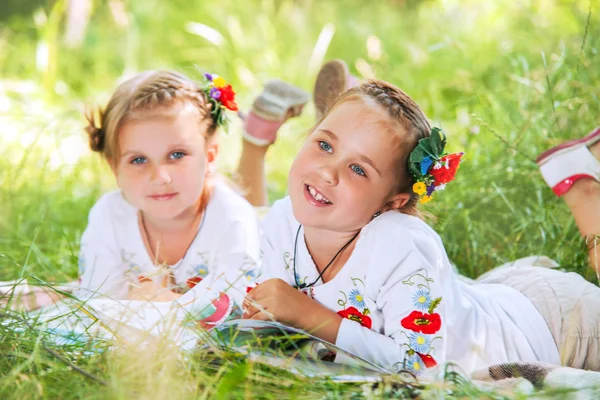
{"x": 425, "y": 164}
{"x": 208, "y": 76}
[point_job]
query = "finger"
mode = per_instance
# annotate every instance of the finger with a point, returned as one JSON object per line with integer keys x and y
{"x": 254, "y": 292}
{"x": 251, "y": 311}
{"x": 262, "y": 316}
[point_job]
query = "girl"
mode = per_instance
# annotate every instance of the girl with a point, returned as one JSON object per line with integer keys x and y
{"x": 350, "y": 261}
{"x": 173, "y": 223}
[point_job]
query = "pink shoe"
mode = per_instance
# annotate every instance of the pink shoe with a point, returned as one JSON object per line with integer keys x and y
{"x": 563, "y": 165}
{"x": 278, "y": 102}
{"x": 333, "y": 79}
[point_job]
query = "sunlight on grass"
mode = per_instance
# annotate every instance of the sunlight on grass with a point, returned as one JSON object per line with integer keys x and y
{"x": 477, "y": 68}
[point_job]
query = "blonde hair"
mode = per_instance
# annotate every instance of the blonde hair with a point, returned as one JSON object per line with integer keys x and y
{"x": 413, "y": 123}
{"x": 148, "y": 92}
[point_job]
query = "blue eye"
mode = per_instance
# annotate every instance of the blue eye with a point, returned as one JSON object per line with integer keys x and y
{"x": 358, "y": 170}
{"x": 325, "y": 146}
{"x": 176, "y": 155}
{"x": 138, "y": 160}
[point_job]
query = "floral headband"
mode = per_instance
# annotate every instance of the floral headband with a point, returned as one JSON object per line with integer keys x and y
{"x": 430, "y": 167}
{"x": 221, "y": 96}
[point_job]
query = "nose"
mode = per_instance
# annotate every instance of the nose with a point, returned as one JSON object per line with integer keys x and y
{"x": 160, "y": 175}
{"x": 329, "y": 174}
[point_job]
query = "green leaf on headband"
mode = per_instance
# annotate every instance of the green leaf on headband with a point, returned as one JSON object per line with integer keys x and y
{"x": 415, "y": 158}
{"x": 437, "y": 142}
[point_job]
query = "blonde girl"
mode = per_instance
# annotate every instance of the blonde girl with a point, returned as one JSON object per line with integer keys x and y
{"x": 172, "y": 224}
{"x": 347, "y": 257}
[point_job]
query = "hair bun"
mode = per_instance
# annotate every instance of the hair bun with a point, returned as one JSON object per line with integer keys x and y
{"x": 94, "y": 129}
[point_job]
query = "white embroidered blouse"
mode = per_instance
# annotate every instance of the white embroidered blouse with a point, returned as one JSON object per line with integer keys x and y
{"x": 403, "y": 305}
{"x": 113, "y": 254}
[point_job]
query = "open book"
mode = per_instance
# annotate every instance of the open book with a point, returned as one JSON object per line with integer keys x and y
{"x": 293, "y": 349}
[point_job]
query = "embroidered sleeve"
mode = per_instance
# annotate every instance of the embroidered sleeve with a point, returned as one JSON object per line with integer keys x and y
{"x": 102, "y": 266}
{"x": 218, "y": 296}
{"x": 405, "y": 286}
{"x": 422, "y": 327}
{"x": 238, "y": 256}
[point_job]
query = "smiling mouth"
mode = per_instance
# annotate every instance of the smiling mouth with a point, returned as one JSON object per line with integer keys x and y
{"x": 316, "y": 195}
{"x": 162, "y": 196}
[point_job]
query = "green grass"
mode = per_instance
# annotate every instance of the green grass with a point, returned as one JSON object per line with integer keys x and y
{"x": 505, "y": 80}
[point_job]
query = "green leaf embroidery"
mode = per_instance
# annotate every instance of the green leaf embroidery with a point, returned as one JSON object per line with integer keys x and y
{"x": 434, "y": 304}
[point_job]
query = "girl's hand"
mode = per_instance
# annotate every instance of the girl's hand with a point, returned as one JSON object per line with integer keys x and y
{"x": 150, "y": 291}
{"x": 275, "y": 300}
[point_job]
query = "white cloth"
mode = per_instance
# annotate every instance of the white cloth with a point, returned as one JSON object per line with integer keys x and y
{"x": 113, "y": 254}
{"x": 390, "y": 284}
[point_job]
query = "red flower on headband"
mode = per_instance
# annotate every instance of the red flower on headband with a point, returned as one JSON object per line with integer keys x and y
{"x": 421, "y": 322}
{"x": 227, "y": 98}
{"x": 427, "y": 360}
{"x": 448, "y": 165}
{"x": 354, "y": 315}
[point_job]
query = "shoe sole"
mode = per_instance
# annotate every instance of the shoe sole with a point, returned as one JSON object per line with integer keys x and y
{"x": 589, "y": 140}
{"x": 331, "y": 81}
{"x": 295, "y": 97}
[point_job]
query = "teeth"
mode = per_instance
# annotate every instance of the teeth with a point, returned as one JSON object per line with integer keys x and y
{"x": 318, "y": 196}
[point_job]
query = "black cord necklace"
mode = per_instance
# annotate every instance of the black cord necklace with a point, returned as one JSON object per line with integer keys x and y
{"x": 304, "y": 285}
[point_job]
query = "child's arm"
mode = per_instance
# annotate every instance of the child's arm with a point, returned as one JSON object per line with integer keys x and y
{"x": 276, "y": 300}
{"x": 236, "y": 269}
{"x": 406, "y": 283}
{"x": 100, "y": 265}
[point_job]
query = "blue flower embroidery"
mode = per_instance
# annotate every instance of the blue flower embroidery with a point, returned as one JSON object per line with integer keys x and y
{"x": 419, "y": 342}
{"x": 250, "y": 275}
{"x": 356, "y": 298}
{"x": 299, "y": 280}
{"x": 422, "y": 300}
{"x": 201, "y": 270}
{"x": 134, "y": 268}
{"x": 81, "y": 264}
{"x": 414, "y": 364}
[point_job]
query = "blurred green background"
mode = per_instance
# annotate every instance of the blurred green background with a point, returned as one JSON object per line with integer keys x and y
{"x": 505, "y": 79}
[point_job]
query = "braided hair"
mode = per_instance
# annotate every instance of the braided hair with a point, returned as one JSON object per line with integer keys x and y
{"x": 145, "y": 94}
{"x": 408, "y": 121}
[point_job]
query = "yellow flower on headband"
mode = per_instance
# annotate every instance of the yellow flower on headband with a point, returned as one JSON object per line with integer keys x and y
{"x": 419, "y": 188}
{"x": 425, "y": 199}
{"x": 219, "y": 82}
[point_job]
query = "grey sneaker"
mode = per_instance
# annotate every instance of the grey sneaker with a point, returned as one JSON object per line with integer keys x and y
{"x": 278, "y": 102}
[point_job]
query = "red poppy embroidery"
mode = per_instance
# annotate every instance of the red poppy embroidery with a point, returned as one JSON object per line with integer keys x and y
{"x": 354, "y": 315}
{"x": 427, "y": 360}
{"x": 421, "y": 322}
{"x": 193, "y": 281}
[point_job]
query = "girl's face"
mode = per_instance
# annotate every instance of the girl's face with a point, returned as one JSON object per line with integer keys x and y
{"x": 346, "y": 170}
{"x": 163, "y": 163}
